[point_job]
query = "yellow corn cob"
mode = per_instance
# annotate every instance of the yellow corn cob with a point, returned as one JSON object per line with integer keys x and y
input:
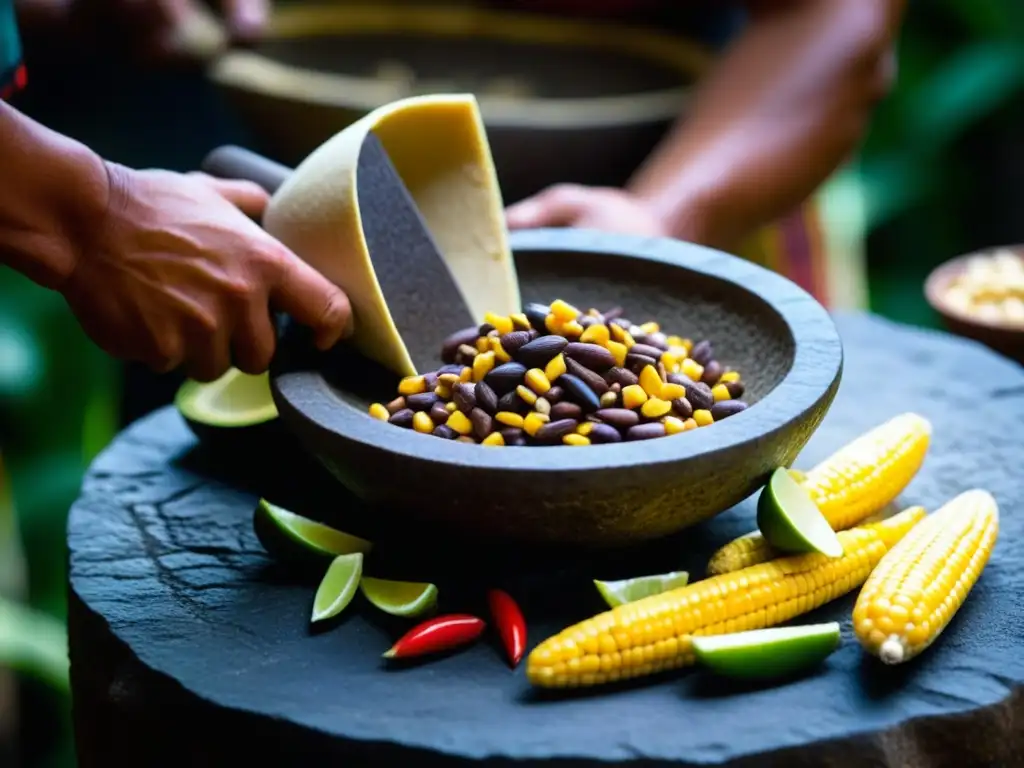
{"x": 853, "y": 483}
{"x": 653, "y": 634}
{"x": 921, "y": 583}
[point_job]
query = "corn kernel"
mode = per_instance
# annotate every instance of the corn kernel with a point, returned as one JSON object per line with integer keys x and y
{"x": 520, "y": 321}
{"x": 526, "y": 394}
{"x": 672, "y": 391}
{"x": 412, "y": 385}
{"x": 585, "y": 428}
{"x": 553, "y": 324}
{"x": 534, "y": 421}
{"x": 501, "y": 323}
{"x": 692, "y": 369}
{"x": 633, "y": 396}
{"x": 618, "y": 350}
{"x": 721, "y": 392}
{"x": 574, "y": 438}
{"x": 499, "y": 351}
{"x": 655, "y": 408}
{"x": 450, "y": 406}
{"x": 443, "y": 391}
{"x": 422, "y": 422}
{"x": 483, "y": 343}
{"x": 618, "y": 333}
{"x": 572, "y": 328}
{"x": 509, "y": 419}
{"x": 466, "y": 374}
{"x": 378, "y": 411}
{"x": 650, "y": 327}
{"x": 563, "y": 310}
{"x": 495, "y": 438}
{"x": 675, "y": 341}
{"x": 482, "y": 365}
{"x": 554, "y": 368}
{"x": 673, "y": 425}
{"x": 650, "y": 381}
{"x": 537, "y": 381}
{"x": 703, "y": 417}
{"x": 596, "y": 334}
{"x": 460, "y": 423}
{"x": 690, "y": 423}
{"x": 728, "y": 376}
{"x": 668, "y": 359}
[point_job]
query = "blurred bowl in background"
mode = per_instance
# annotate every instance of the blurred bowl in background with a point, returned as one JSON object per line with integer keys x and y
{"x": 562, "y": 101}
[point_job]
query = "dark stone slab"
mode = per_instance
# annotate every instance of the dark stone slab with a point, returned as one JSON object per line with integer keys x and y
{"x": 189, "y": 647}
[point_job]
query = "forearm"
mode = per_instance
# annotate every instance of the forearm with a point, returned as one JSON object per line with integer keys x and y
{"x": 781, "y": 111}
{"x": 52, "y": 190}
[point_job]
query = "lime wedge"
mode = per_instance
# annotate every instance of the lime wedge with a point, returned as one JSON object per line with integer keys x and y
{"x": 762, "y": 654}
{"x": 790, "y": 521}
{"x": 234, "y": 400}
{"x": 338, "y": 586}
{"x": 290, "y": 537}
{"x": 400, "y": 598}
{"x": 617, "y": 593}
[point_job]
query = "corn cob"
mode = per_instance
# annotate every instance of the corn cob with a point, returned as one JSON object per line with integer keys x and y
{"x": 853, "y": 483}
{"x": 918, "y": 587}
{"x": 653, "y": 634}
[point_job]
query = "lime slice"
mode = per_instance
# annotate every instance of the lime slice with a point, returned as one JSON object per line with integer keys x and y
{"x": 290, "y": 537}
{"x": 767, "y": 653}
{"x": 400, "y": 598}
{"x": 234, "y": 400}
{"x": 790, "y": 521}
{"x": 338, "y": 586}
{"x": 617, "y": 593}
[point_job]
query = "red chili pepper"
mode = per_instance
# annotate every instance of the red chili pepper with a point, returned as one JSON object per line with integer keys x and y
{"x": 510, "y": 622}
{"x": 437, "y": 634}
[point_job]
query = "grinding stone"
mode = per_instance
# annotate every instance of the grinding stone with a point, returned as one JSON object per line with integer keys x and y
{"x": 189, "y": 648}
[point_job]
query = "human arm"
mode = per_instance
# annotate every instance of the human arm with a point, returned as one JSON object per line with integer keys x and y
{"x": 783, "y": 108}
{"x": 158, "y": 267}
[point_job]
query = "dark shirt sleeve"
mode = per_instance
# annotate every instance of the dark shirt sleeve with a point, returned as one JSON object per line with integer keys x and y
{"x": 12, "y": 70}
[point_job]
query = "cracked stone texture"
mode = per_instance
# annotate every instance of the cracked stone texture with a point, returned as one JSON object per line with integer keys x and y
{"x": 189, "y": 647}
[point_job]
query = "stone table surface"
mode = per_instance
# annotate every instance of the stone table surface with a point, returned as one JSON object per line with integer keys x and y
{"x": 189, "y": 647}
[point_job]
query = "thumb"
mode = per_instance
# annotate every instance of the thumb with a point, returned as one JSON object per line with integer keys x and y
{"x": 557, "y": 206}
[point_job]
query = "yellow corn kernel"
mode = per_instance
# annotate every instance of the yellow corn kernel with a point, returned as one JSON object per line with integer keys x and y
{"x": 650, "y": 381}
{"x": 554, "y": 368}
{"x": 633, "y": 396}
{"x": 483, "y": 343}
{"x": 655, "y": 408}
{"x": 673, "y": 425}
{"x": 520, "y": 321}
{"x": 499, "y": 351}
{"x": 672, "y": 391}
{"x": 650, "y": 327}
{"x": 412, "y": 385}
{"x": 655, "y": 633}
{"x": 572, "y": 329}
{"x": 728, "y": 376}
{"x": 575, "y": 438}
{"x": 450, "y": 406}
{"x": 460, "y": 423}
{"x": 443, "y": 391}
{"x": 495, "y": 438}
{"x": 482, "y": 365}
{"x": 914, "y": 592}
{"x": 466, "y": 374}
{"x": 553, "y": 324}
{"x": 618, "y": 351}
{"x": 501, "y": 323}
{"x": 596, "y": 334}
{"x": 669, "y": 360}
{"x": 534, "y": 421}
{"x": 526, "y": 394}
{"x": 422, "y": 422}
{"x": 621, "y": 335}
{"x": 703, "y": 417}
{"x": 692, "y": 369}
{"x": 690, "y": 424}
{"x": 721, "y": 392}
{"x": 563, "y": 310}
{"x": 380, "y": 412}
{"x": 536, "y": 380}
{"x": 585, "y": 428}
{"x": 509, "y": 419}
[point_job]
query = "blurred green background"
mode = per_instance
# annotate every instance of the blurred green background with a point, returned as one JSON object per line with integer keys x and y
{"x": 940, "y": 174}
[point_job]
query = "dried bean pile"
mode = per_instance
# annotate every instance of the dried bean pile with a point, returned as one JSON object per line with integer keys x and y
{"x": 554, "y": 375}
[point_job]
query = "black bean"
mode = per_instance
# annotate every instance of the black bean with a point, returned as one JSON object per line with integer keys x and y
{"x": 486, "y": 397}
{"x": 726, "y": 408}
{"x": 465, "y": 354}
{"x": 702, "y": 352}
{"x": 618, "y": 417}
{"x": 682, "y": 408}
{"x": 712, "y": 373}
{"x": 422, "y": 402}
{"x": 604, "y": 433}
{"x": 402, "y": 418}
{"x": 484, "y": 329}
{"x": 657, "y": 339}
{"x": 637, "y": 363}
{"x": 646, "y": 349}
{"x": 537, "y": 315}
{"x": 662, "y": 371}
{"x": 555, "y": 395}
{"x": 511, "y": 342}
{"x": 615, "y": 387}
{"x": 396, "y": 405}
{"x": 505, "y": 377}
{"x": 679, "y": 378}
{"x": 517, "y": 439}
{"x": 579, "y": 392}
{"x": 483, "y": 424}
{"x": 430, "y": 380}
{"x": 438, "y": 413}
{"x": 736, "y": 388}
{"x": 566, "y": 411}
{"x": 451, "y": 345}
{"x": 646, "y": 431}
{"x": 699, "y": 395}
{"x": 450, "y": 368}
{"x": 586, "y": 321}
{"x": 592, "y": 356}
{"x": 540, "y": 351}
{"x": 589, "y": 377}
{"x": 621, "y": 376}
{"x": 513, "y": 403}
{"x": 464, "y": 395}
{"x": 612, "y": 314}
{"x": 555, "y": 430}
{"x": 443, "y": 430}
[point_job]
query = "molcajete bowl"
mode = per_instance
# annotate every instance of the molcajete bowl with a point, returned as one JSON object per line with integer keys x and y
{"x": 598, "y": 496}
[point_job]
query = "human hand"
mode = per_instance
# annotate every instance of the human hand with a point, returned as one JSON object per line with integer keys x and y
{"x": 175, "y": 274}
{"x": 572, "y": 205}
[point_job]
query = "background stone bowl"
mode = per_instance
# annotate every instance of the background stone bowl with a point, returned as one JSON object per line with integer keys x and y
{"x": 601, "y": 496}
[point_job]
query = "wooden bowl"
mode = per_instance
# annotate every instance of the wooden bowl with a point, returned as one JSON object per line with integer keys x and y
{"x": 1008, "y": 341}
{"x": 597, "y": 98}
{"x": 781, "y": 340}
